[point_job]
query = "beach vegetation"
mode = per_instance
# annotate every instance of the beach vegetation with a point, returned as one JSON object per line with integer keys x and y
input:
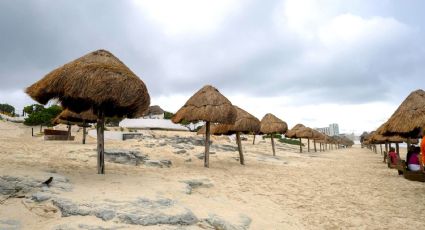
{"x": 43, "y": 116}
{"x": 7, "y": 109}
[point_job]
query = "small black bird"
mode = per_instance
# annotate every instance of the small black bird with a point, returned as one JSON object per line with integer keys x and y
{"x": 48, "y": 181}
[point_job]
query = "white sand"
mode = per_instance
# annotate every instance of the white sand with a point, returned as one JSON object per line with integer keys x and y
{"x": 340, "y": 189}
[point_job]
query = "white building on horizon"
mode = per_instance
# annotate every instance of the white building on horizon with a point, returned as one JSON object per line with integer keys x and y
{"x": 332, "y": 130}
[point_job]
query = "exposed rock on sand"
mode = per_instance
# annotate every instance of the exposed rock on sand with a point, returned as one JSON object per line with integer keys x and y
{"x": 219, "y": 223}
{"x": 196, "y": 183}
{"x": 129, "y": 157}
{"x": 139, "y": 212}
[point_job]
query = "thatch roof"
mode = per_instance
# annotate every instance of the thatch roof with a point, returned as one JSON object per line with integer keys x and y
{"x": 409, "y": 118}
{"x": 208, "y": 104}
{"x": 97, "y": 81}
{"x": 245, "y": 123}
{"x": 154, "y": 110}
{"x": 292, "y": 133}
{"x": 271, "y": 124}
{"x": 86, "y": 116}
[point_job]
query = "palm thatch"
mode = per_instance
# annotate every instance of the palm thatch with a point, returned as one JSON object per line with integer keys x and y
{"x": 271, "y": 124}
{"x": 154, "y": 110}
{"x": 292, "y": 133}
{"x": 86, "y": 116}
{"x": 409, "y": 117}
{"x": 245, "y": 123}
{"x": 97, "y": 81}
{"x": 208, "y": 104}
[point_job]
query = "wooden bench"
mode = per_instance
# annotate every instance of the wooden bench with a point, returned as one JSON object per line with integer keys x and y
{"x": 57, "y": 135}
{"x": 55, "y": 132}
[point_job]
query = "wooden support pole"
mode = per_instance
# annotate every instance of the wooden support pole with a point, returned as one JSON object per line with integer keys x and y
{"x": 253, "y": 141}
{"x": 84, "y": 132}
{"x": 32, "y": 132}
{"x": 238, "y": 140}
{"x": 274, "y": 153}
{"x": 397, "y": 149}
{"x": 308, "y": 144}
{"x": 100, "y": 143}
{"x": 314, "y": 141}
{"x": 69, "y": 131}
{"x": 301, "y": 146}
{"x": 380, "y": 146}
{"x": 207, "y": 145}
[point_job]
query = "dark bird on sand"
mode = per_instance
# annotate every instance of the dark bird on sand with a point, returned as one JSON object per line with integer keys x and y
{"x": 48, "y": 181}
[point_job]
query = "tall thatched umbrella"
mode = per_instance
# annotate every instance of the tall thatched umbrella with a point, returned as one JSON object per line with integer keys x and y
{"x": 270, "y": 124}
{"x": 409, "y": 117}
{"x": 97, "y": 81}
{"x": 208, "y": 105}
{"x": 80, "y": 118}
{"x": 293, "y": 134}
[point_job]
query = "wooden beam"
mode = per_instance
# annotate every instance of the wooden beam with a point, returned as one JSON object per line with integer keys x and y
{"x": 207, "y": 145}
{"x": 238, "y": 140}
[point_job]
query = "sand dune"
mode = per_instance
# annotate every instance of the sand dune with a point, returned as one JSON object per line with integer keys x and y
{"x": 340, "y": 189}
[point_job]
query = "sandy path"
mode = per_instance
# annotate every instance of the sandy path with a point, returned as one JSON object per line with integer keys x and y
{"x": 340, "y": 189}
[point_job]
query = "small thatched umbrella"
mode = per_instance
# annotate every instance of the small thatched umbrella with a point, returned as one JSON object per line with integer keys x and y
{"x": 270, "y": 124}
{"x": 293, "y": 134}
{"x": 97, "y": 81}
{"x": 409, "y": 118}
{"x": 80, "y": 118}
{"x": 308, "y": 133}
{"x": 208, "y": 105}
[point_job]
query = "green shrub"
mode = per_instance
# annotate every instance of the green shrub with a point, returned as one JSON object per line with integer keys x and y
{"x": 43, "y": 116}
{"x": 290, "y": 141}
{"x": 7, "y": 109}
{"x": 168, "y": 115}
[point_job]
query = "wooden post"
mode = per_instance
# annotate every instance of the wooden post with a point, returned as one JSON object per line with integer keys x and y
{"x": 253, "y": 141}
{"x": 397, "y": 149}
{"x": 380, "y": 146}
{"x": 274, "y": 153}
{"x": 100, "y": 144}
{"x": 69, "y": 131}
{"x": 207, "y": 145}
{"x": 32, "y": 131}
{"x": 386, "y": 152}
{"x": 314, "y": 141}
{"x": 238, "y": 140}
{"x": 308, "y": 140}
{"x": 84, "y": 132}
{"x": 301, "y": 146}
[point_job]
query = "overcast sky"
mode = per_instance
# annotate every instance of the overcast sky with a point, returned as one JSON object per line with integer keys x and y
{"x": 314, "y": 62}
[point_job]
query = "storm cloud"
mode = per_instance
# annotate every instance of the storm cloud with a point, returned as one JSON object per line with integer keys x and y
{"x": 314, "y": 52}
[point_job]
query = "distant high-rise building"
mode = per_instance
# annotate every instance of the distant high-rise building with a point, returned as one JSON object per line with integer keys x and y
{"x": 332, "y": 130}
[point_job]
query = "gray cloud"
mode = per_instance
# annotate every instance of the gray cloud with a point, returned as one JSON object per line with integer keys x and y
{"x": 248, "y": 53}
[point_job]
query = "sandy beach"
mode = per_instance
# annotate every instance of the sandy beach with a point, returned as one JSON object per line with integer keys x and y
{"x": 339, "y": 189}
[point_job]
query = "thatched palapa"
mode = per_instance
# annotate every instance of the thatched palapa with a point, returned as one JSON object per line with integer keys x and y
{"x": 97, "y": 81}
{"x": 70, "y": 118}
{"x": 209, "y": 105}
{"x": 270, "y": 124}
{"x": 409, "y": 117}
{"x": 154, "y": 110}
